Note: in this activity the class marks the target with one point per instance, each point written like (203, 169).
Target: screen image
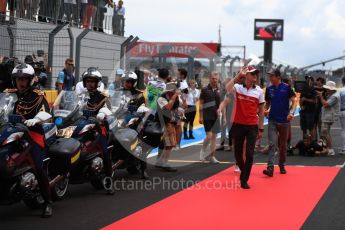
(268, 29)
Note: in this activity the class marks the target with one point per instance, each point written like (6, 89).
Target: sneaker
(237, 169)
(269, 171)
(214, 160)
(177, 148)
(331, 152)
(202, 155)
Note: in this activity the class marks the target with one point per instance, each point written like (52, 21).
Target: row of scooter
(74, 153)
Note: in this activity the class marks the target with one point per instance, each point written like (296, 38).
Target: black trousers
(240, 133)
(190, 116)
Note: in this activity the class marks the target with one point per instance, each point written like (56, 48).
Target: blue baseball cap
(119, 71)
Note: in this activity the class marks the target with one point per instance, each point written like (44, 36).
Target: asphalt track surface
(86, 208)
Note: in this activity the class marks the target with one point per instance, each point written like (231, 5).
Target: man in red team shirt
(247, 125)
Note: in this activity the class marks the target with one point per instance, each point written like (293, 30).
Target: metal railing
(97, 17)
(49, 45)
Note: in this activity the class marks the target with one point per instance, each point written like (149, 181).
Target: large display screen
(269, 29)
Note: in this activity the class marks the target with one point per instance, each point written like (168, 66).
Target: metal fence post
(77, 53)
(10, 34)
(128, 47)
(123, 51)
(71, 37)
(51, 51)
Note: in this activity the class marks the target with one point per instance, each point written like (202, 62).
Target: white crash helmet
(92, 72)
(22, 71)
(130, 76)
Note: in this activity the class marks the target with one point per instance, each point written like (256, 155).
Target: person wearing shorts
(167, 113)
(209, 117)
(330, 112)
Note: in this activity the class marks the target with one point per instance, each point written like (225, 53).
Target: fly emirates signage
(179, 50)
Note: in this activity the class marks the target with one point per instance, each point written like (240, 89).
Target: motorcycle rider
(33, 107)
(97, 103)
(136, 99)
(129, 83)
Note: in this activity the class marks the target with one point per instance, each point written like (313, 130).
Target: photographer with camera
(167, 112)
(330, 111)
(40, 78)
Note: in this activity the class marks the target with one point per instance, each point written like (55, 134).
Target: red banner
(178, 50)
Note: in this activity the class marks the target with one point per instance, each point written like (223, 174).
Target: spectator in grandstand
(192, 99)
(3, 5)
(118, 18)
(69, 12)
(90, 13)
(342, 115)
(81, 12)
(278, 98)
(248, 120)
(209, 104)
(58, 7)
(320, 82)
(23, 8)
(33, 9)
(308, 103)
(101, 10)
(66, 79)
(45, 11)
(329, 112)
(12, 9)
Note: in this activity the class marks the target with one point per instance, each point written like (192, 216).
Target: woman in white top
(192, 98)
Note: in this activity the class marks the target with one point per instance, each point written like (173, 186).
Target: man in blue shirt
(278, 98)
(66, 80)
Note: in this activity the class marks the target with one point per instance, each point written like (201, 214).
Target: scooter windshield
(68, 102)
(118, 102)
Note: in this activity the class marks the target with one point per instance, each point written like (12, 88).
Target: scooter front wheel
(60, 189)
